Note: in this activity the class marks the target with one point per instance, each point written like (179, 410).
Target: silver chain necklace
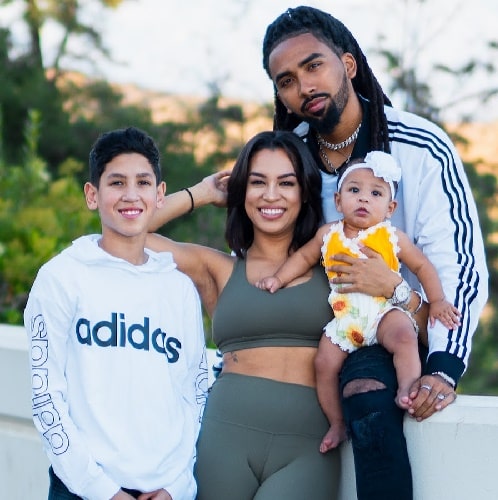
(331, 167)
(340, 145)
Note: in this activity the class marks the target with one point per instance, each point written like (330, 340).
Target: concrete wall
(454, 454)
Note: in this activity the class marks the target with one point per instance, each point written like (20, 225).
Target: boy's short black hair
(122, 141)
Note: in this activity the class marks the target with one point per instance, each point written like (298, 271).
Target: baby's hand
(445, 312)
(270, 283)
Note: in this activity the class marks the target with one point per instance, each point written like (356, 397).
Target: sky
(184, 46)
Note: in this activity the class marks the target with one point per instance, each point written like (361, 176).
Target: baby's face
(364, 200)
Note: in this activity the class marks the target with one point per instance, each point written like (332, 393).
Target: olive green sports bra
(247, 317)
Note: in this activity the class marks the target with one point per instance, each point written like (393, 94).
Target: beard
(329, 119)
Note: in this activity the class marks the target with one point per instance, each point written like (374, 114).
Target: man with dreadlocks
(326, 92)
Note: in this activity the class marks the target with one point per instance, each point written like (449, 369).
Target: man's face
(312, 81)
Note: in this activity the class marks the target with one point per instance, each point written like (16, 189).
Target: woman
(262, 426)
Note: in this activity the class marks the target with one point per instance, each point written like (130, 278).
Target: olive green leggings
(259, 440)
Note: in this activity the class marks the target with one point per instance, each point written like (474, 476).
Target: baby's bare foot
(334, 437)
(403, 399)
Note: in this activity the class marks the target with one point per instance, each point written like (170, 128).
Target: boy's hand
(156, 495)
(214, 188)
(121, 495)
(152, 495)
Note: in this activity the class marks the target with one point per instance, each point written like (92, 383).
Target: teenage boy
(117, 354)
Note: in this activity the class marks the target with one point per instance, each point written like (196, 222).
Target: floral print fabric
(356, 315)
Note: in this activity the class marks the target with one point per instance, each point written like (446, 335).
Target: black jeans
(59, 491)
(375, 426)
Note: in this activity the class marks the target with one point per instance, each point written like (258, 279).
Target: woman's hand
(371, 276)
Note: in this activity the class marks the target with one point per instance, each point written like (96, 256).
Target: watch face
(402, 292)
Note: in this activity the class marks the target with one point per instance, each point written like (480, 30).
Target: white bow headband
(383, 165)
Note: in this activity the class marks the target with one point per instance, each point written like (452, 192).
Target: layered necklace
(322, 143)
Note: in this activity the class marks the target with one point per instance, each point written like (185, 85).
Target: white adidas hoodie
(118, 366)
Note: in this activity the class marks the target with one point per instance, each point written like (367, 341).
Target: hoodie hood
(87, 251)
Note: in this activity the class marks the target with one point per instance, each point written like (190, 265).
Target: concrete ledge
(453, 454)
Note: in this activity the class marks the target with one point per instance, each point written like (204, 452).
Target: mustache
(309, 99)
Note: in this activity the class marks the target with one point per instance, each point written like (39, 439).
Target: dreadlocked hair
(338, 38)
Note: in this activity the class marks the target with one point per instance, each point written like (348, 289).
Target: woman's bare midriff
(294, 365)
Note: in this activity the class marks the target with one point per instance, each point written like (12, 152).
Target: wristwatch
(401, 295)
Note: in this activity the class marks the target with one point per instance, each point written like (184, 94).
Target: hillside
(482, 145)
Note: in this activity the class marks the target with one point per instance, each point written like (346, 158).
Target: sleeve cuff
(183, 487)
(446, 363)
(103, 489)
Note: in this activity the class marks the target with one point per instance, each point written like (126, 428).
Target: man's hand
(371, 276)
(429, 394)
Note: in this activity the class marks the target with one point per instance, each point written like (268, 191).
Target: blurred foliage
(39, 216)
(26, 83)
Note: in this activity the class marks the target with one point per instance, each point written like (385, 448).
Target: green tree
(95, 107)
(212, 118)
(67, 16)
(39, 216)
(29, 82)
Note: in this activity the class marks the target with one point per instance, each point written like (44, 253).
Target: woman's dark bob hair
(239, 231)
